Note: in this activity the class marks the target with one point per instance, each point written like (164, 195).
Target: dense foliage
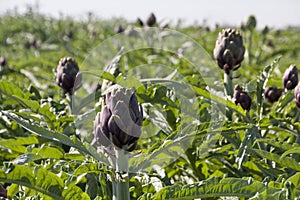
(197, 143)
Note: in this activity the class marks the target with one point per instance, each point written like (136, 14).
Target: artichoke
(67, 76)
(2, 61)
(119, 29)
(272, 94)
(3, 192)
(229, 50)
(297, 96)
(151, 20)
(120, 120)
(290, 77)
(251, 22)
(242, 98)
(265, 31)
(139, 22)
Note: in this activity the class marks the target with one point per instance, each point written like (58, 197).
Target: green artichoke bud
(297, 95)
(151, 20)
(120, 120)
(272, 94)
(242, 98)
(251, 22)
(67, 76)
(229, 50)
(290, 77)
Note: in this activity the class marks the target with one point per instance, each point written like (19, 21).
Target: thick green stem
(250, 47)
(297, 141)
(228, 84)
(121, 184)
(71, 103)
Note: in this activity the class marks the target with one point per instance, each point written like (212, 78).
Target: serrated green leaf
(38, 179)
(50, 152)
(249, 135)
(108, 76)
(55, 136)
(31, 104)
(283, 161)
(17, 144)
(295, 179)
(282, 145)
(11, 89)
(291, 151)
(213, 188)
(74, 192)
(283, 101)
(261, 85)
(237, 108)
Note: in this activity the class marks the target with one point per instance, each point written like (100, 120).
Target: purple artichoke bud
(272, 94)
(139, 22)
(151, 20)
(229, 50)
(69, 33)
(3, 192)
(120, 120)
(266, 30)
(297, 96)
(119, 29)
(290, 77)
(242, 98)
(67, 76)
(251, 22)
(2, 61)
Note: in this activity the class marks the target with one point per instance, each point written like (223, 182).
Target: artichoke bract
(272, 94)
(229, 50)
(297, 96)
(119, 122)
(151, 20)
(242, 98)
(67, 75)
(290, 77)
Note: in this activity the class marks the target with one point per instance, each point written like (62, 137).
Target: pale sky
(273, 13)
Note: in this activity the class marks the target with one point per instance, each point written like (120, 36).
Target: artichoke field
(90, 111)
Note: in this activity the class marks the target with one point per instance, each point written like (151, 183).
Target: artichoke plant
(272, 94)
(151, 20)
(290, 77)
(229, 50)
(242, 98)
(120, 120)
(67, 76)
